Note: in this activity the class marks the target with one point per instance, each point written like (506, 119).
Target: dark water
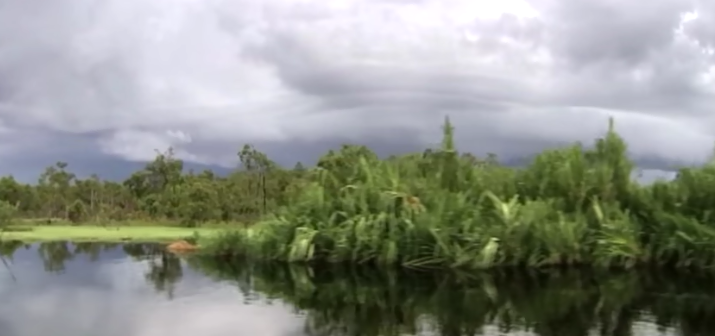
(107, 290)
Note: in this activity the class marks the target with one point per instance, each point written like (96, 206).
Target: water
(110, 289)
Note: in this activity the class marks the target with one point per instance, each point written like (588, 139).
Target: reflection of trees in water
(165, 273)
(142, 251)
(165, 269)
(93, 250)
(360, 301)
(54, 255)
(364, 302)
(9, 247)
(7, 250)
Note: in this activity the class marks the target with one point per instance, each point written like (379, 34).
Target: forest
(575, 205)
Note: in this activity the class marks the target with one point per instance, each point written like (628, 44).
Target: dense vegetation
(162, 191)
(438, 208)
(570, 206)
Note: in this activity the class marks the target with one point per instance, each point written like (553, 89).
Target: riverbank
(85, 233)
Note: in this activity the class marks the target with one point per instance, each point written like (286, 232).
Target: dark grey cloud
(114, 80)
(627, 34)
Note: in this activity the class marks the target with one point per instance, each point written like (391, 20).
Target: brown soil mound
(181, 246)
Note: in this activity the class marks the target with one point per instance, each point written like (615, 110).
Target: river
(94, 289)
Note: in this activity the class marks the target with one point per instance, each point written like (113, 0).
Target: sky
(102, 84)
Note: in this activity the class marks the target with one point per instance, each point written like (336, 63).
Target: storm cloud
(114, 80)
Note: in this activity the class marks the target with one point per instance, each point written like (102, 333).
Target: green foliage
(161, 191)
(439, 208)
(76, 212)
(570, 206)
(7, 214)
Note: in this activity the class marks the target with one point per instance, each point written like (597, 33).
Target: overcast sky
(102, 82)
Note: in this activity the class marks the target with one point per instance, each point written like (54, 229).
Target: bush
(7, 214)
(77, 212)
(569, 206)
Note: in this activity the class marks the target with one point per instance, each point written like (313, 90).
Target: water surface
(137, 289)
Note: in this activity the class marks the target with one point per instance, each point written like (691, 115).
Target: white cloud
(143, 145)
(207, 76)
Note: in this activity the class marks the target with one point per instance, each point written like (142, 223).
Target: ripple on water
(139, 290)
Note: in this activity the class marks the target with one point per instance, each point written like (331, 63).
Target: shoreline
(94, 233)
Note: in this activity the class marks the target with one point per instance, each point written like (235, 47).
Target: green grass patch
(18, 229)
(103, 234)
(32, 222)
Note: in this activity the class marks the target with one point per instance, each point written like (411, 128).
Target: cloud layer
(120, 78)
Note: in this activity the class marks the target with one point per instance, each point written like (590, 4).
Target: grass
(111, 224)
(86, 233)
